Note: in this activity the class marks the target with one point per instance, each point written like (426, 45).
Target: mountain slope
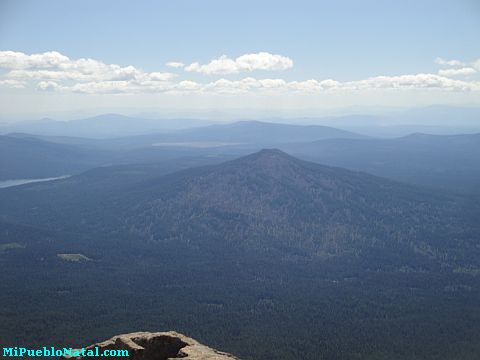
(33, 158)
(272, 201)
(269, 202)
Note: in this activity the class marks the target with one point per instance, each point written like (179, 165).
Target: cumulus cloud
(313, 85)
(457, 72)
(188, 85)
(48, 86)
(457, 67)
(18, 60)
(403, 82)
(221, 66)
(175, 64)
(248, 62)
(411, 82)
(53, 66)
(441, 61)
(103, 87)
(16, 84)
(248, 84)
(53, 71)
(264, 61)
(476, 64)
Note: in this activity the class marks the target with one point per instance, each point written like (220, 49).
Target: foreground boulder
(158, 346)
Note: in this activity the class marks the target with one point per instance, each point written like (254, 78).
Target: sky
(66, 58)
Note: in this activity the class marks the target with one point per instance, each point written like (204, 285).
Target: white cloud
(55, 66)
(221, 66)
(412, 82)
(460, 68)
(175, 64)
(102, 87)
(158, 76)
(313, 85)
(402, 82)
(248, 62)
(53, 71)
(18, 60)
(224, 86)
(48, 86)
(188, 85)
(16, 84)
(457, 72)
(264, 61)
(476, 64)
(441, 61)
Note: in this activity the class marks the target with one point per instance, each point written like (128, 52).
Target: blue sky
(348, 42)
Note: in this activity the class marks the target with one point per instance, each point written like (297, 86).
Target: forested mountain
(240, 255)
(273, 202)
(267, 201)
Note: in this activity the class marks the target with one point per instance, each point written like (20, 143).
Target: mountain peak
(271, 154)
(268, 159)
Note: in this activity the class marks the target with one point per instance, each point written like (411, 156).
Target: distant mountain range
(441, 161)
(30, 156)
(99, 127)
(242, 133)
(437, 119)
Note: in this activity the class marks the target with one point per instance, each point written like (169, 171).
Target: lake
(17, 182)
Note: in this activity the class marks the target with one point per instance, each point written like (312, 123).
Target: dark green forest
(254, 307)
(266, 257)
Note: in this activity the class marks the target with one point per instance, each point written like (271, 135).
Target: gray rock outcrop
(158, 346)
